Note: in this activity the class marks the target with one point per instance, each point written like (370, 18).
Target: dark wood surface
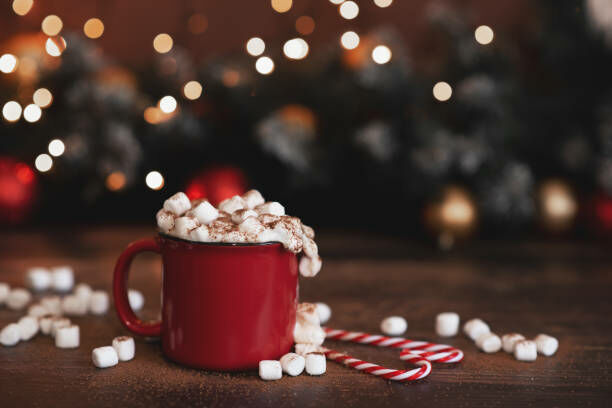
(559, 288)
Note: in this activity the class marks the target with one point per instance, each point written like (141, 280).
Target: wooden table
(560, 289)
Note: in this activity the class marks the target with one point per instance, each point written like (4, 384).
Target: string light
(192, 90)
(484, 35)
(52, 25)
(255, 46)
(442, 91)
(55, 46)
(154, 180)
(22, 7)
(197, 23)
(264, 65)
(296, 48)
(381, 54)
(56, 147)
(305, 25)
(11, 111)
(32, 113)
(281, 6)
(42, 97)
(43, 162)
(115, 181)
(383, 3)
(162, 43)
(349, 10)
(93, 28)
(8, 63)
(167, 104)
(350, 40)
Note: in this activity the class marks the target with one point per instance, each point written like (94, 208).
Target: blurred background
(441, 119)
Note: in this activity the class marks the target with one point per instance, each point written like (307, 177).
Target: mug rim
(231, 244)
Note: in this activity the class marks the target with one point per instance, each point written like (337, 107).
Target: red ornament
(216, 184)
(17, 190)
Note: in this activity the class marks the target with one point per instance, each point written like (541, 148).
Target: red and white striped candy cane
(387, 373)
(440, 353)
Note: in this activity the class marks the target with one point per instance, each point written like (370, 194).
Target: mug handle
(120, 288)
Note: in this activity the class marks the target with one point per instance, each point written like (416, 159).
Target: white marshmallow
(18, 298)
(270, 370)
(251, 226)
(239, 216)
(58, 323)
(489, 342)
(10, 335)
(178, 204)
(104, 357)
(125, 347)
(315, 363)
(292, 364)
(37, 311)
(28, 327)
(306, 313)
(393, 325)
(308, 333)
(38, 279)
(268, 235)
(4, 292)
(63, 278)
(72, 305)
(310, 247)
(525, 350)
(324, 312)
(53, 304)
(45, 323)
(308, 231)
(83, 291)
(271, 207)
(303, 348)
(253, 198)
(509, 340)
(232, 204)
(165, 220)
(136, 299)
(99, 302)
(546, 345)
(475, 328)
(184, 225)
(310, 267)
(68, 337)
(200, 234)
(205, 213)
(447, 324)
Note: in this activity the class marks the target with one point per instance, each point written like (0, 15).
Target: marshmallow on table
(509, 340)
(4, 292)
(99, 302)
(18, 298)
(489, 342)
(393, 325)
(546, 345)
(292, 364)
(37, 310)
(309, 267)
(253, 198)
(83, 291)
(324, 312)
(315, 363)
(270, 370)
(184, 225)
(309, 334)
(232, 204)
(304, 348)
(38, 278)
(10, 335)
(62, 278)
(525, 350)
(45, 323)
(68, 337)
(475, 328)
(28, 327)
(239, 216)
(306, 313)
(205, 212)
(447, 324)
(125, 347)
(53, 304)
(136, 299)
(72, 305)
(104, 357)
(58, 323)
(178, 204)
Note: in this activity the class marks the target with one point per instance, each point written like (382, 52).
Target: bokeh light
(305, 25)
(42, 97)
(336, 1)
(93, 28)
(255, 46)
(56, 147)
(484, 35)
(192, 90)
(8, 63)
(55, 46)
(296, 48)
(381, 54)
(197, 23)
(11, 111)
(32, 113)
(115, 181)
(230, 77)
(52, 25)
(167, 104)
(154, 180)
(349, 10)
(558, 206)
(383, 3)
(281, 6)
(22, 7)
(162, 43)
(264, 65)
(442, 91)
(43, 162)
(350, 40)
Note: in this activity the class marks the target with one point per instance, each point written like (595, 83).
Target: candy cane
(387, 373)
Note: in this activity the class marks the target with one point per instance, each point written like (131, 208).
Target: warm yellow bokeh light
(255, 46)
(55, 46)
(22, 7)
(442, 91)
(192, 90)
(52, 25)
(336, 1)
(457, 211)
(42, 97)
(11, 111)
(381, 54)
(349, 10)
(32, 113)
(281, 6)
(43, 162)
(93, 28)
(56, 147)
(154, 180)
(167, 104)
(484, 35)
(350, 40)
(163, 43)
(8, 63)
(296, 48)
(230, 77)
(115, 181)
(264, 65)
(305, 25)
(383, 3)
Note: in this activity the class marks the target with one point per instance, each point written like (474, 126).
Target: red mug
(224, 306)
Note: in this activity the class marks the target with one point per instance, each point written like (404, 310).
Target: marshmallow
(68, 337)
(308, 231)
(125, 347)
(63, 278)
(253, 198)
(165, 220)
(10, 335)
(489, 342)
(315, 363)
(239, 216)
(4, 292)
(309, 267)
(310, 247)
(232, 204)
(303, 349)
(306, 313)
(270, 370)
(200, 234)
(205, 213)
(38, 279)
(37, 311)
(393, 325)
(99, 302)
(324, 312)
(28, 327)
(72, 305)
(83, 291)
(45, 323)
(525, 350)
(546, 345)
(18, 298)
(292, 364)
(447, 324)
(104, 357)
(475, 328)
(251, 226)
(53, 304)
(58, 323)
(178, 204)
(268, 218)
(184, 225)
(271, 207)
(136, 299)
(509, 340)
(308, 333)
